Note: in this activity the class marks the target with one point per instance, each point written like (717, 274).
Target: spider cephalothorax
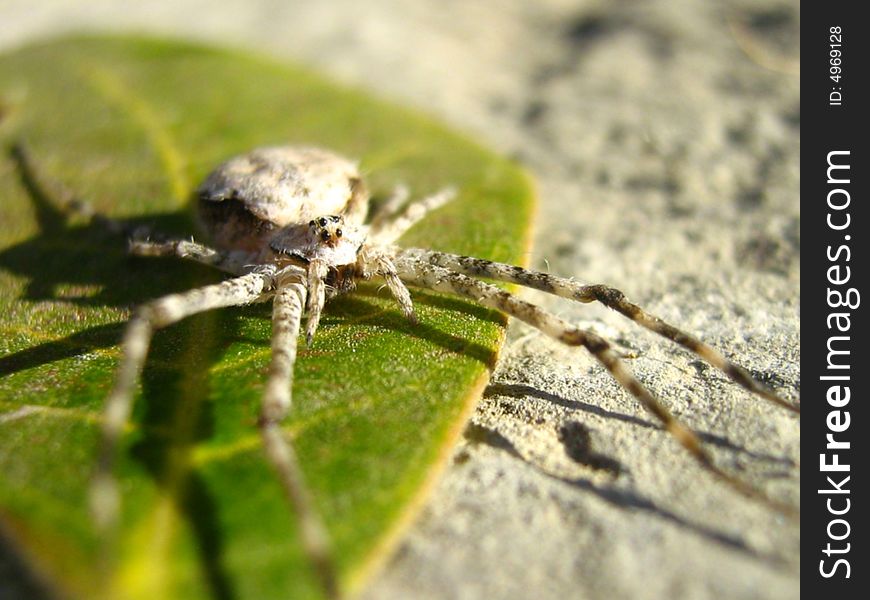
(288, 225)
(328, 239)
(327, 247)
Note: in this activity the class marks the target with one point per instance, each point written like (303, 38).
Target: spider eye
(324, 235)
(322, 222)
(338, 233)
(311, 223)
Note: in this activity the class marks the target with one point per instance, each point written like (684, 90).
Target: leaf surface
(133, 125)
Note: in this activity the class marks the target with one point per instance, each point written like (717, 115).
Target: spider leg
(286, 316)
(253, 287)
(427, 275)
(387, 270)
(390, 207)
(374, 261)
(610, 297)
(389, 230)
(231, 262)
(317, 271)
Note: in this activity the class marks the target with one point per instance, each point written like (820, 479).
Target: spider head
(327, 238)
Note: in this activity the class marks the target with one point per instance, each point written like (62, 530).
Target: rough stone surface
(665, 139)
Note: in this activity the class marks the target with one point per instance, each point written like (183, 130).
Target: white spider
(288, 224)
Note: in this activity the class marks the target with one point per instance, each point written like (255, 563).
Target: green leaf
(133, 125)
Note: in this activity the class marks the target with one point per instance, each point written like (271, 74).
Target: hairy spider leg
(388, 230)
(317, 271)
(424, 274)
(229, 262)
(153, 315)
(287, 310)
(610, 297)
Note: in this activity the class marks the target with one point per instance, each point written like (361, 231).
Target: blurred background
(664, 137)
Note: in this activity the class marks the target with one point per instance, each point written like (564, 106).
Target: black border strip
(833, 94)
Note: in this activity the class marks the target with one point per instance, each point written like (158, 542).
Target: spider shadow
(622, 499)
(86, 266)
(358, 308)
(521, 391)
(176, 414)
(100, 266)
(83, 269)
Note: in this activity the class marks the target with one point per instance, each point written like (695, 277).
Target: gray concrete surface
(665, 139)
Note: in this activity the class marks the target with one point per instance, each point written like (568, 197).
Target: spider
(288, 225)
